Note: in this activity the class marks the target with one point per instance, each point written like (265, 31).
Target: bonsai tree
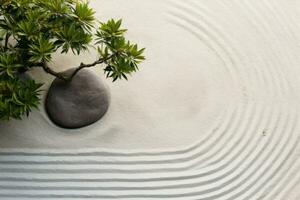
(32, 30)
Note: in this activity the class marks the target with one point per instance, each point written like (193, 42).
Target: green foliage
(8, 65)
(17, 97)
(71, 38)
(41, 51)
(85, 15)
(125, 56)
(32, 30)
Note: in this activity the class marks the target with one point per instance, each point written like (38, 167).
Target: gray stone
(78, 103)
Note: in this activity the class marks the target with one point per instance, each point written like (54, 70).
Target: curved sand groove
(106, 159)
(237, 161)
(29, 165)
(254, 23)
(266, 169)
(127, 153)
(221, 147)
(284, 183)
(281, 89)
(290, 184)
(193, 9)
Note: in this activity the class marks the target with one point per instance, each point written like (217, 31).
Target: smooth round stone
(78, 103)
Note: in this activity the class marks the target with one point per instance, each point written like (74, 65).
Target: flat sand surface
(213, 113)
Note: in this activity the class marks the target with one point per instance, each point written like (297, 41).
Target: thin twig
(68, 78)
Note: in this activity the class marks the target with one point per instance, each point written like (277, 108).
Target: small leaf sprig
(124, 57)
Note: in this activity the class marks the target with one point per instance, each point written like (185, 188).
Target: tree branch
(52, 72)
(6, 40)
(82, 66)
(69, 78)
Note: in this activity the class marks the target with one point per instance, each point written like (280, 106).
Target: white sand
(213, 113)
